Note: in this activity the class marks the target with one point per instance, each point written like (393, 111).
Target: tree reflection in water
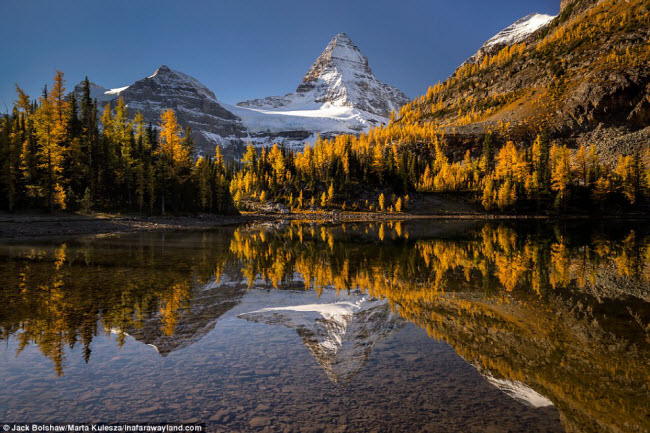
(563, 310)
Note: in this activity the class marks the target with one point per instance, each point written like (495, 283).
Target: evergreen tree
(50, 132)
(488, 153)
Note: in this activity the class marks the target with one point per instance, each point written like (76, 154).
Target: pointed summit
(162, 70)
(173, 80)
(340, 52)
(340, 77)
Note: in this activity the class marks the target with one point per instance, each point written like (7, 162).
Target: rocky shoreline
(22, 226)
(36, 226)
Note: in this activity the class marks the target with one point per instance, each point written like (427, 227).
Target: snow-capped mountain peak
(340, 77)
(520, 29)
(341, 47)
(342, 54)
(515, 33)
(338, 94)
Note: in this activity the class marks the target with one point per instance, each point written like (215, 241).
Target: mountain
(513, 34)
(339, 331)
(584, 77)
(195, 106)
(340, 76)
(338, 94)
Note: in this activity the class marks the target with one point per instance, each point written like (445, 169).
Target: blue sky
(242, 49)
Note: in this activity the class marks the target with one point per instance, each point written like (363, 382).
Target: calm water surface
(440, 327)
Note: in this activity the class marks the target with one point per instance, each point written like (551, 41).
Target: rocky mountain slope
(339, 94)
(585, 75)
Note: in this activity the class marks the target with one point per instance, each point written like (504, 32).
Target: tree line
(542, 176)
(58, 153)
(379, 171)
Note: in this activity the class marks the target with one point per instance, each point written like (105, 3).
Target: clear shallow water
(457, 326)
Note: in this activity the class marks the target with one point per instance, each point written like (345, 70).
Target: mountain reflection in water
(340, 331)
(549, 314)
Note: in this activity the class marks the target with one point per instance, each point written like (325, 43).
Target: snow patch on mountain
(520, 29)
(322, 119)
(513, 34)
(101, 93)
(115, 91)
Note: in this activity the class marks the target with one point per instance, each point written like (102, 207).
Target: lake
(440, 326)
